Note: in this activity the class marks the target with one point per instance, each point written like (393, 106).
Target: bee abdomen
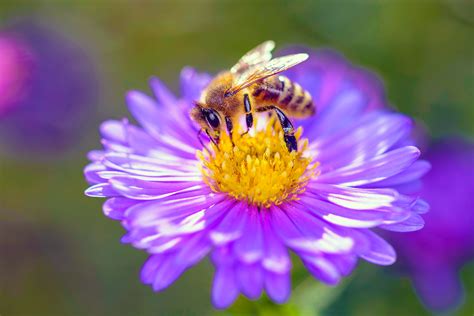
(286, 94)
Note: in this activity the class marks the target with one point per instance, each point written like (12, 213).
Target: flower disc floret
(258, 168)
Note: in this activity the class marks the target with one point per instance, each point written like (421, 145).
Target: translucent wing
(260, 54)
(265, 70)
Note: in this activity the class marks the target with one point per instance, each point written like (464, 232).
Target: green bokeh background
(60, 256)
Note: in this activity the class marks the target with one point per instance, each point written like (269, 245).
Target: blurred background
(60, 256)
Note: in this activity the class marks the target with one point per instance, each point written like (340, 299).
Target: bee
(252, 86)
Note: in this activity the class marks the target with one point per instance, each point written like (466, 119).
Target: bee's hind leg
(288, 130)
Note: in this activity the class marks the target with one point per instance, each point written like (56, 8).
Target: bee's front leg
(230, 128)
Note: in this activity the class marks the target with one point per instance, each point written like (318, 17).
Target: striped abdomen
(285, 94)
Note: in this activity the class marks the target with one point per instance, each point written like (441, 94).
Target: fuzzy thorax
(258, 168)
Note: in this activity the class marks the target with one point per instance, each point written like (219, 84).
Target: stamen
(258, 168)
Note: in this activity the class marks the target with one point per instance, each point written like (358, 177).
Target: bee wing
(260, 54)
(265, 70)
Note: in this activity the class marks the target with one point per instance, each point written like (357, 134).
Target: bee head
(209, 120)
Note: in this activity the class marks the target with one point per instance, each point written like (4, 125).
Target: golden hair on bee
(252, 86)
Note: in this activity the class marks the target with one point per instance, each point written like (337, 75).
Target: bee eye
(212, 118)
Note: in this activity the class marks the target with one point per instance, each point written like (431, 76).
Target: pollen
(258, 168)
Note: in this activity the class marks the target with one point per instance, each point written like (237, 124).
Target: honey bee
(251, 85)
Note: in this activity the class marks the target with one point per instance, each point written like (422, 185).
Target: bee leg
(288, 130)
(215, 141)
(248, 113)
(200, 139)
(230, 127)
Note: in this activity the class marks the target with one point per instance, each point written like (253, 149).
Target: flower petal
(373, 170)
(193, 83)
(440, 288)
(379, 252)
(148, 272)
(250, 279)
(115, 207)
(353, 218)
(146, 112)
(356, 144)
(224, 287)
(231, 227)
(413, 223)
(276, 257)
(150, 214)
(322, 269)
(163, 95)
(277, 286)
(167, 271)
(101, 190)
(414, 172)
(138, 189)
(249, 247)
(354, 198)
(305, 233)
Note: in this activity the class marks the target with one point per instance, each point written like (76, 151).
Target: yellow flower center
(258, 168)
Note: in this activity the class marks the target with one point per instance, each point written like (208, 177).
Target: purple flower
(47, 88)
(15, 65)
(249, 204)
(434, 255)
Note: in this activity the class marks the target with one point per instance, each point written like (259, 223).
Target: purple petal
(167, 271)
(276, 257)
(363, 141)
(322, 269)
(95, 155)
(193, 83)
(115, 208)
(352, 218)
(249, 247)
(149, 166)
(91, 173)
(154, 243)
(113, 130)
(152, 213)
(148, 272)
(440, 288)
(414, 172)
(146, 112)
(344, 263)
(277, 286)
(354, 198)
(373, 170)
(420, 206)
(250, 279)
(305, 233)
(148, 190)
(345, 106)
(194, 249)
(101, 190)
(164, 96)
(224, 288)
(223, 256)
(413, 223)
(379, 251)
(231, 227)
